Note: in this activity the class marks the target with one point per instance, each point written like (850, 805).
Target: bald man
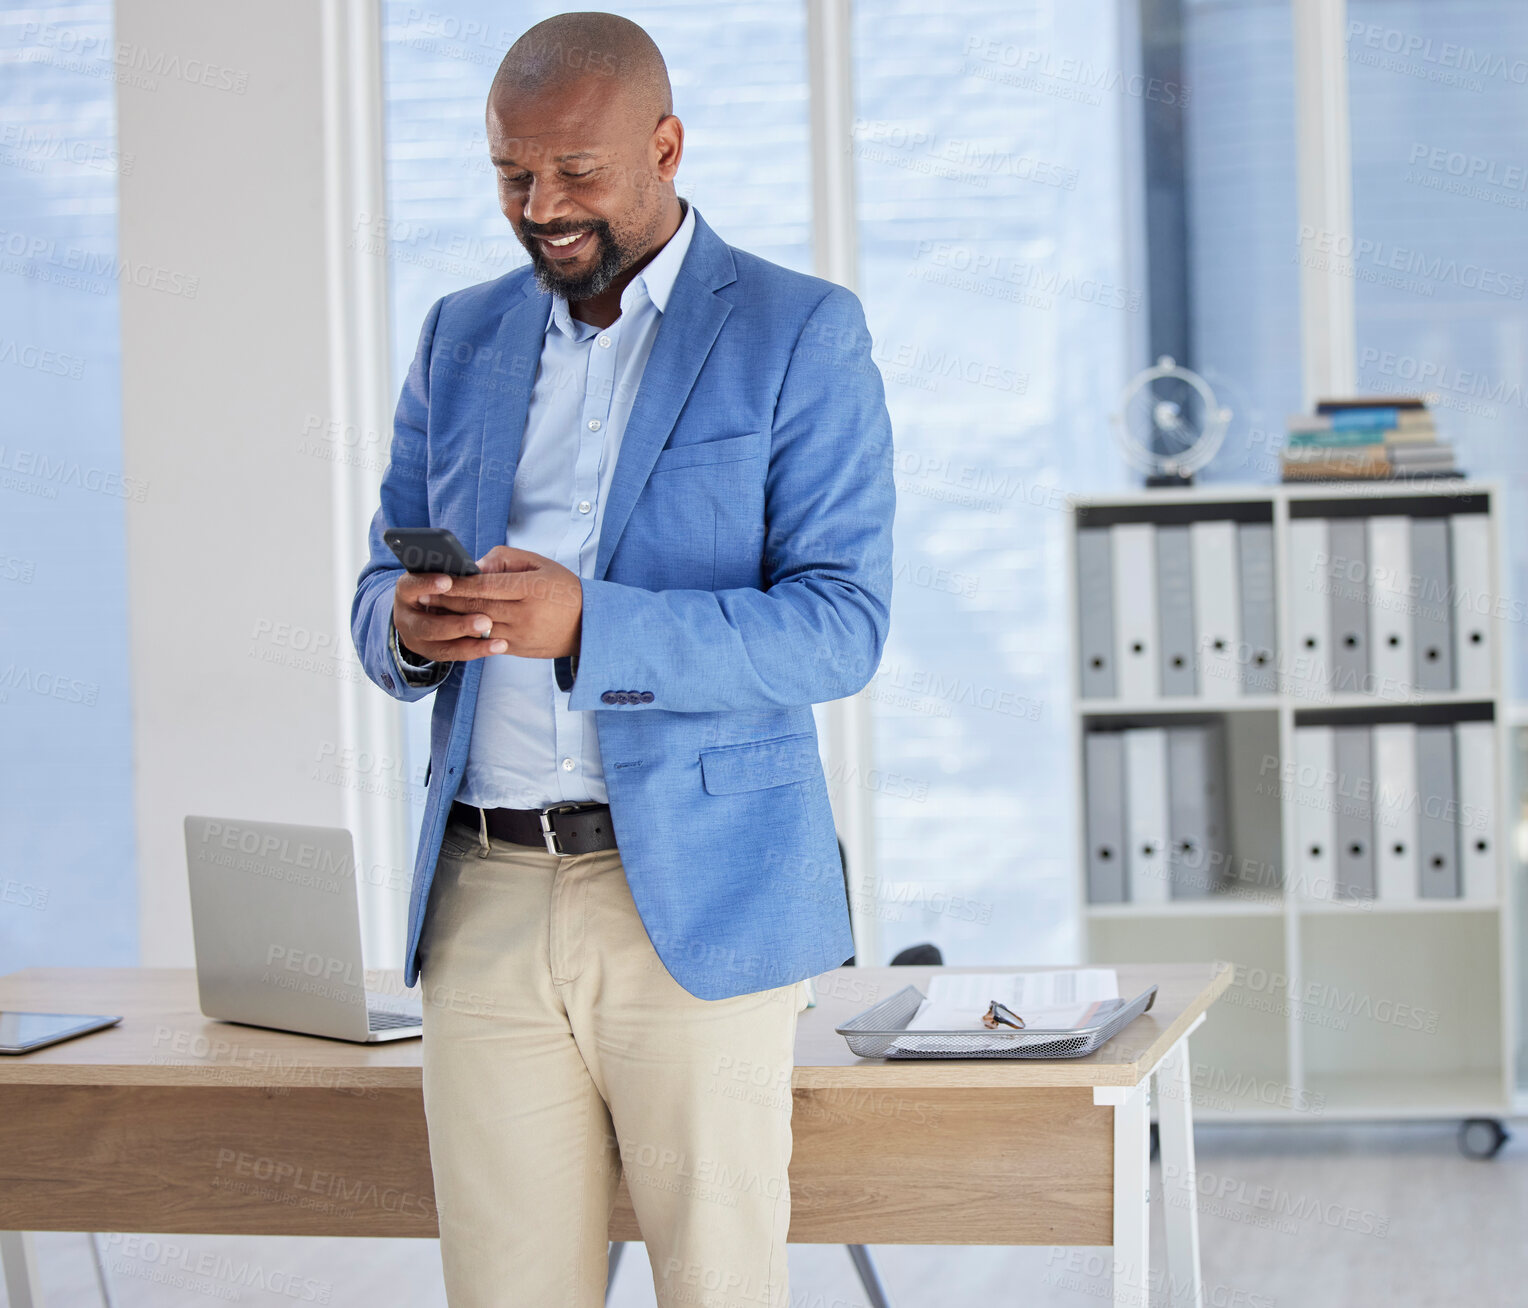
(672, 460)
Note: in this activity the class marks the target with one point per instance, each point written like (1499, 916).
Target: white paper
(1047, 1001)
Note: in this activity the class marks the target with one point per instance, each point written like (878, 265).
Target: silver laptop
(277, 923)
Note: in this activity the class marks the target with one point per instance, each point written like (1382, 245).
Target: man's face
(571, 162)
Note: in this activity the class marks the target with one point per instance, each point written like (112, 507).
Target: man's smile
(564, 247)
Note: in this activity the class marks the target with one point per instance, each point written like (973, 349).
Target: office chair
(924, 955)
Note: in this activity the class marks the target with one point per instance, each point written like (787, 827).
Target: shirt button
(594, 424)
(604, 342)
(567, 765)
(584, 506)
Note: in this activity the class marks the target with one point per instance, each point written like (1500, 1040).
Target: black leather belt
(558, 828)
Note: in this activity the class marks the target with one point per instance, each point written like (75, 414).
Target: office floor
(1331, 1217)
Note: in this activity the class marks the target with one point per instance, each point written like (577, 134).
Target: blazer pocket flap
(759, 764)
(727, 450)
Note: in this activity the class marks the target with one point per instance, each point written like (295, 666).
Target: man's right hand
(437, 634)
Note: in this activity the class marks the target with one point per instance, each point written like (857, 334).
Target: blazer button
(627, 697)
(387, 681)
(609, 697)
(647, 697)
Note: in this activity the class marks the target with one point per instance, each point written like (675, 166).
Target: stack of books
(1366, 440)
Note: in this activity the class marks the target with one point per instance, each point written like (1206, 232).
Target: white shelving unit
(1345, 1056)
(1517, 825)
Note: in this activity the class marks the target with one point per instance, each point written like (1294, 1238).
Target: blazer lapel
(516, 357)
(686, 333)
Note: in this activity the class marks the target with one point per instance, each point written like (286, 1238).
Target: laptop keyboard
(383, 1019)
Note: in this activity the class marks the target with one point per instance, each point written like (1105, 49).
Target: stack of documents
(1047, 1001)
(1062, 1014)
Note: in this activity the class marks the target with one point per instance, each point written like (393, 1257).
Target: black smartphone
(430, 549)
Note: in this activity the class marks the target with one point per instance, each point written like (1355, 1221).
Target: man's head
(584, 142)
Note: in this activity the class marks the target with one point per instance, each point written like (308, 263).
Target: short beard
(612, 260)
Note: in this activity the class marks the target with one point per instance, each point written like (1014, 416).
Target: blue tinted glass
(993, 221)
(68, 892)
(1440, 212)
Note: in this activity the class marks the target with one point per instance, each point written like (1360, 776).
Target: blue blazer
(743, 574)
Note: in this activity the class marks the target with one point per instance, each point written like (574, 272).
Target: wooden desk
(170, 1123)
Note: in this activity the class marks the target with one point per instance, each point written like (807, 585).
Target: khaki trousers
(558, 1052)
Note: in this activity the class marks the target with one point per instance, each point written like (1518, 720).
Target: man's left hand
(535, 604)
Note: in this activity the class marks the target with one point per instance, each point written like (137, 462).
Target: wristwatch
(415, 671)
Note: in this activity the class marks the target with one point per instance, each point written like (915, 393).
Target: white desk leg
(1175, 1124)
(1132, 1197)
(19, 1255)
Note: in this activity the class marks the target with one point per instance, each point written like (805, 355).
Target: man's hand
(431, 632)
(535, 605)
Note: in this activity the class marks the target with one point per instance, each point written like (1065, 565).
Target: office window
(994, 228)
(68, 890)
(1440, 209)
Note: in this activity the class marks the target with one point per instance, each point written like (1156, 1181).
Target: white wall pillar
(256, 410)
(848, 742)
(1324, 171)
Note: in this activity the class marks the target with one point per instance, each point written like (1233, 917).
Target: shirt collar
(655, 281)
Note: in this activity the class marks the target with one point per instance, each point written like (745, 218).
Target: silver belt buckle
(547, 834)
(550, 836)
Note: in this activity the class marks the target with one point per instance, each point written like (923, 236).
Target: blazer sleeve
(404, 504)
(815, 630)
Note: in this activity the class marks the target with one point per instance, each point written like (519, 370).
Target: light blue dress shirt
(528, 748)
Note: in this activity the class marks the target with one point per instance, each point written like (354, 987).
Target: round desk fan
(1169, 424)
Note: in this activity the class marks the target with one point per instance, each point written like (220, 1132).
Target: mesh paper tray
(881, 1032)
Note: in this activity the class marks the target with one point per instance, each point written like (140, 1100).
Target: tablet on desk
(20, 1033)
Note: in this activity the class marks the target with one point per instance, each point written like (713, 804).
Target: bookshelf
(1344, 1008)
